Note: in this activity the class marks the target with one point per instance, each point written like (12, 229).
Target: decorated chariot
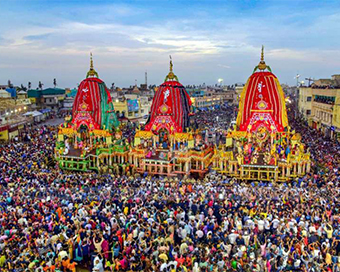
(262, 146)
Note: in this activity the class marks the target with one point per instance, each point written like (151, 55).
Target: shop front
(14, 129)
(4, 133)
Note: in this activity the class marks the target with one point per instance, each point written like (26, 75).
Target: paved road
(53, 122)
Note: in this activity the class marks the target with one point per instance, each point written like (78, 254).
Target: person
(98, 264)
(57, 220)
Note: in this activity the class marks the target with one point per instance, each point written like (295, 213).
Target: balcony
(329, 100)
(322, 106)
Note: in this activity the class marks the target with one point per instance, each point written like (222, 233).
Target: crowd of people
(214, 123)
(60, 221)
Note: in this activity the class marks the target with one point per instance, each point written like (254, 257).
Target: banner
(133, 105)
(229, 142)
(137, 141)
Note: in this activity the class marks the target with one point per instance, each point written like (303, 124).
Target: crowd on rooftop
(58, 221)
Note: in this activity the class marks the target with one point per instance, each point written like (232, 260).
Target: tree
(22, 87)
(40, 85)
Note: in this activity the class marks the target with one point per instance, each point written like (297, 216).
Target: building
(325, 111)
(238, 90)
(68, 101)
(319, 104)
(50, 98)
(133, 107)
(4, 94)
(142, 90)
(334, 81)
(12, 117)
(305, 102)
(209, 97)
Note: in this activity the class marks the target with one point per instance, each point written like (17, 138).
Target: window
(130, 114)
(308, 112)
(142, 111)
(309, 98)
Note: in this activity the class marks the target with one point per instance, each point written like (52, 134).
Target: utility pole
(309, 80)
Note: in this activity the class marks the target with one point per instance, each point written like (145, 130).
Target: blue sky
(42, 40)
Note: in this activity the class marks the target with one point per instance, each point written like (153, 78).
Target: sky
(208, 40)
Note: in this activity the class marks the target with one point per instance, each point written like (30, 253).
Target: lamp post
(297, 80)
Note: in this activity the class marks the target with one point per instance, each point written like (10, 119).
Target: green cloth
(109, 118)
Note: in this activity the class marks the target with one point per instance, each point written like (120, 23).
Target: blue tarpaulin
(45, 110)
(12, 91)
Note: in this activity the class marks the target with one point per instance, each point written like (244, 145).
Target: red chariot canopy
(262, 102)
(93, 106)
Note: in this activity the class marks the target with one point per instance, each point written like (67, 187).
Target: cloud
(224, 66)
(127, 39)
(36, 37)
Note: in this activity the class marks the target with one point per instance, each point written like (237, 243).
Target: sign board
(133, 105)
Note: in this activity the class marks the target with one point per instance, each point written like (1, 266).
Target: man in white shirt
(260, 224)
(164, 266)
(275, 223)
(232, 237)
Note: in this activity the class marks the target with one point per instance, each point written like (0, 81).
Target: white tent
(33, 113)
(29, 113)
(36, 113)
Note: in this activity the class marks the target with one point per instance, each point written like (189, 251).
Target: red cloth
(170, 108)
(263, 104)
(87, 108)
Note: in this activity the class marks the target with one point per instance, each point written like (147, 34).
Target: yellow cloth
(264, 215)
(229, 142)
(126, 210)
(328, 258)
(329, 231)
(163, 257)
(2, 260)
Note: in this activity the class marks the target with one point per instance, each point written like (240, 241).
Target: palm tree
(22, 87)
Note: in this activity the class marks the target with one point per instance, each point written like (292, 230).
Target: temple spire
(91, 60)
(171, 65)
(91, 72)
(262, 64)
(171, 75)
